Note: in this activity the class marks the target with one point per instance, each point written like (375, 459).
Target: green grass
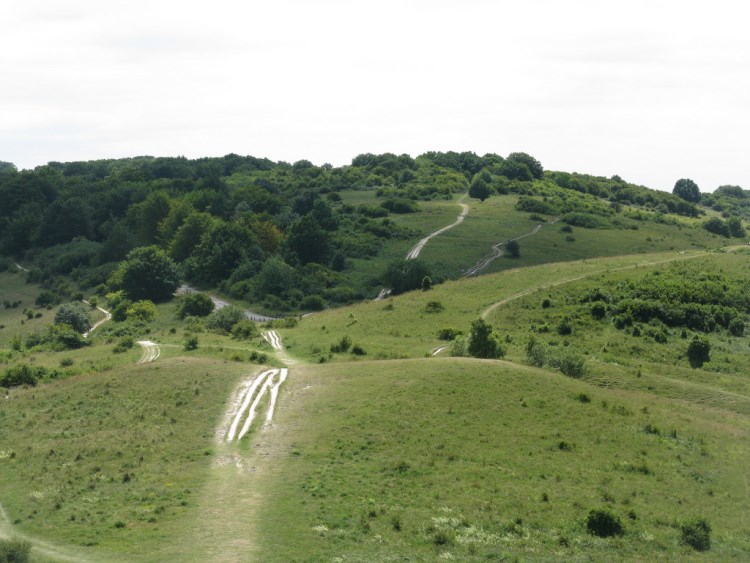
(401, 327)
(486, 459)
(496, 219)
(112, 462)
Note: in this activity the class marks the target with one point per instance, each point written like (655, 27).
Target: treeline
(268, 232)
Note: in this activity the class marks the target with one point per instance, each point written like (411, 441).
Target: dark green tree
(480, 189)
(687, 190)
(698, 351)
(194, 304)
(516, 170)
(482, 341)
(74, 314)
(534, 166)
(222, 248)
(308, 240)
(513, 248)
(405, 275)
(147, 273)
(736, 230)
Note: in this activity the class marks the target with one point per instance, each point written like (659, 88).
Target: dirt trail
(497, 252)
(107, 317)
(220, 304)
(414, 252)
(21, 268)
(151, 351)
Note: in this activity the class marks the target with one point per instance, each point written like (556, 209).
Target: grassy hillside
(422, 459)
(384, 447)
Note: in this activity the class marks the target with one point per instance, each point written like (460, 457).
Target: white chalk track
(268, 381)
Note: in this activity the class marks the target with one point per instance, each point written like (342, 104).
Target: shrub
(598, 310)
(604, 524)
(244, 330)
(513, 248)
(696, 533)
(434, 307)
(21, 375)
(564, 327)
(570, 362)
(357, 350)
(482, 341)
(75, 315)
(195, 305)
(313, 303)
(736, 327)
(14, 550)
(536, 353)
(46, 298)
(124, 345)
(448, 333)
(698, 351)
(191, 343)
(342, 345)
(222, 320)
(143, 310)
(458, 347)
(258, 357)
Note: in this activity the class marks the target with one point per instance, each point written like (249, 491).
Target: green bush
(342, 345)
(195, 305)
(222, 320)
(604, 524)
(448, 333)
(434, 307)
(244, 330)
(75, 315)
(143, 310)
(696, 533)
(698, 351)
(14, 551)
(191, 343)
(482, 341)
(21, 375)
(313, 303)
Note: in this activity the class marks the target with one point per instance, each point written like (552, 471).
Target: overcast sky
(651, 90)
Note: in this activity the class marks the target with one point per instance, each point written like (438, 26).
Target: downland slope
(382, 458)
(388, 453)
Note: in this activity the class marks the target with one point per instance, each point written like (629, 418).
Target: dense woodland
(279, 235)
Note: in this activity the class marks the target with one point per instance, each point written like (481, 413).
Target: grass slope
(112, 462)
(477, 460)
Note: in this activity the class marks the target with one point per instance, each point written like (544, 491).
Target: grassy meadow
(391, 453)
(486, 460)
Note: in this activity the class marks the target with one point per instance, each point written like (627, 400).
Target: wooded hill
(285, 237)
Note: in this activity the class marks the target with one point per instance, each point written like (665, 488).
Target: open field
(418, 459)
(390, 454)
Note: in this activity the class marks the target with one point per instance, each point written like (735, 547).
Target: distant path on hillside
(497, 251)
(151, 351)
(548, 285)
(220, 304)
(414, 252)
(21, 268)
(107, 317)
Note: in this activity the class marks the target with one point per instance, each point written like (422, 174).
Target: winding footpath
(414, 252)
(220, 304)
(497, 251)
(107, 317)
